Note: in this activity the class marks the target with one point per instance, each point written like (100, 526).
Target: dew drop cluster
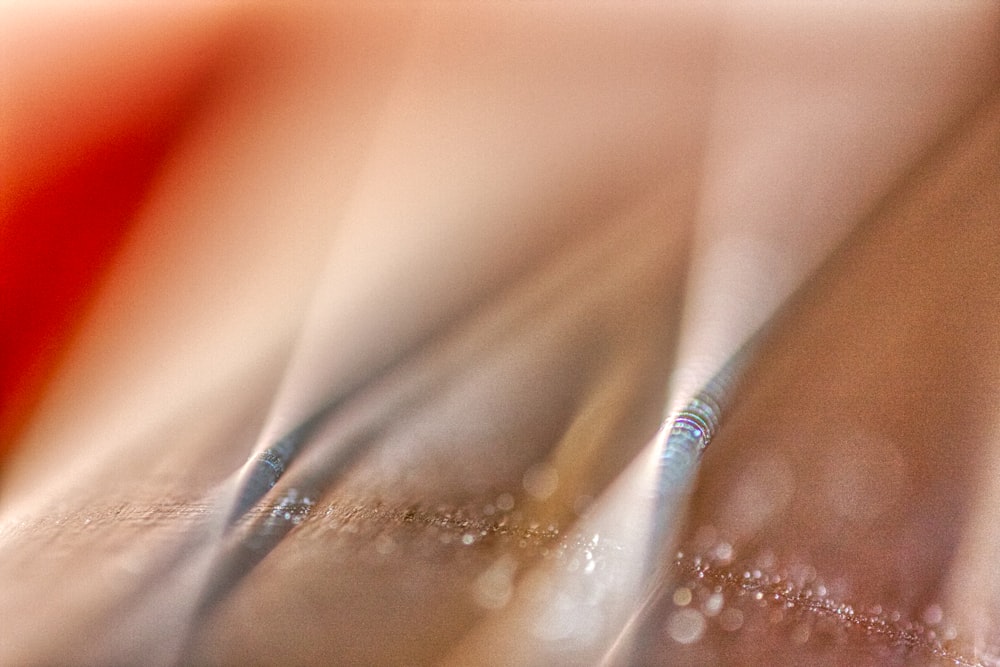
(714, 592)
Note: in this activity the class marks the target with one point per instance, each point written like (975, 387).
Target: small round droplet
(686, 626)
(723, 553)
(800, 633)
(540, 481)
(933, 614)
(682, 596)
(731, 620)
(494, 587)
(713, 605)
(505, 502)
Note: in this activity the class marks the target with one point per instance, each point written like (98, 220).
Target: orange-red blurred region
(59, 231)
(54, 243)
(91, 101)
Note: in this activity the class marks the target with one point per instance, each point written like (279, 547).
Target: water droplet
(686, 626)
(723, 553)
(505, 502)
(682, 596)
(800, 633)
(731, 620)
(933, 614)
(494, 587)
(763, 490)
(540, 481)
(713, 605)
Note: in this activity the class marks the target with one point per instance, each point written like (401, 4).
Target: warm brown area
(866, 429)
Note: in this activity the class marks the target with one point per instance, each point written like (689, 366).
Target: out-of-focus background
(504, 239)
